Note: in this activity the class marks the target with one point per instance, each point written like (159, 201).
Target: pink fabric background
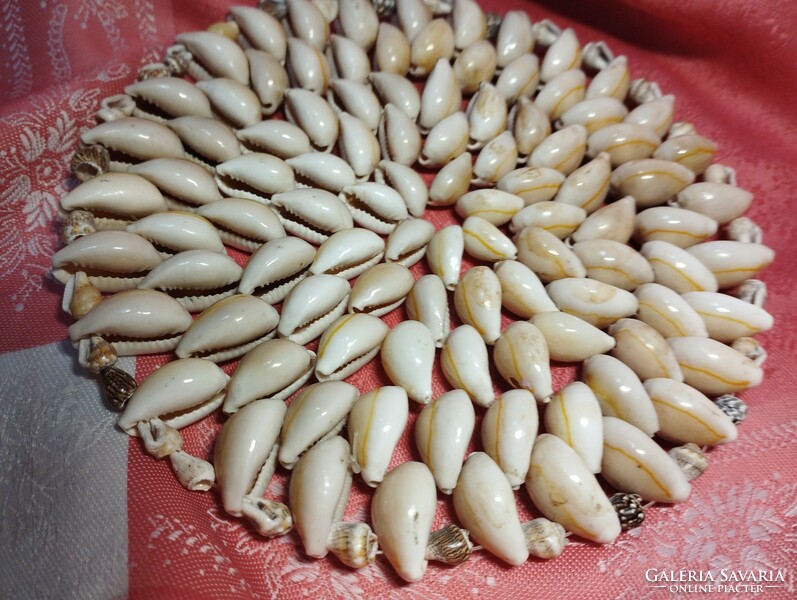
(731, 67)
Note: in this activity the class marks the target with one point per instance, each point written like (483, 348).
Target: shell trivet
(257, 191)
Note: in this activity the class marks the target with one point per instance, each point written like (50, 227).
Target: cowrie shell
(587, 186)
(651, 181)
(508, 430)
(557, 218)
(519, 78)
(276, 267)
(678, 226)
(656, 114)
(563, 55)
(529, 125)
(623, 142)
(547, 255)
(614, 263)
(392, 50)
(466, 366)
(574, 416)
(644, 350)
(408, 358)
(677, 269)
(311, 306)
(484, 241)
(515, 37)
(492, 205)
(380, 289)
(477, 300)
(561, 93)
(347, 60)
(522, 292)
(714, 368)
(728, 318)
(444, 254)
(597, 303)
(668, 312)
(349, 343)
(612, 81)
(732, 262)
(521, 357)
(348, 253)
(533, 184)
(722, 202)
(570, 338)
(406, 244)
(613, 221)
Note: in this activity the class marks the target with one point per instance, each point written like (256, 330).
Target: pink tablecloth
(731, 67)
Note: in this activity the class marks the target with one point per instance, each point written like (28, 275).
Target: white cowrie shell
(381, 289)
(444, 254)
(494, 206)
(677, 226)
(349, 343)
(515, 37)
(392, 51)
(307, 67)
(530, 126)
(644, 350)
(357, 99)
(316, 414)
(184, 184)
(427, 303)
(402, 512)
(312, 214)
(469, 22)
(477, 300)
(522, 292)
(376, 423)
(347, 60)
(533, 184)
(358, 145)
(441, 96)
(280, 138)
(588, 185)
(274, 369)
(614, 263)
(722, 202)
(656, 114)
(557, 218)
(598, 303)
(322, 170)
(314, 115)
(497, 158)
(613, 221)
(235, 102)
(465, 364)
(398, 91)
(475, 65)
(113, 194)
(570, 338)
(563, 55)
(359, 22)
(434, 42)
(399, 138)
(594, 114)
(620, 392)
(623, 142)
(547, 255)
(207, 142)
(451, 181)
(612, 81)
(348, 253)
(677, 269)
(162, 98)
(521, 357)
(687, 416)
(176, 231)
(447, 140)
(692, 151)
(508, 430)
(561, 94)
(668, 312)
(484, 241)
(308, 23)
(714, 368)
(634, 463)
(442, 433)
(311, 306)
(374, 206)
(255, 176)
(519, 78)
(214, 55)
(651, 181)
(413, 16)
(732, 262)
(406, 244)
(243, 224)
(574, 416)
(485, 504)
(728, 318)
(275, 268)
(487, 116)
(260, 30)
(408, 358)
(136, 140)
(407, 182)
(562, 150)
(565, 491)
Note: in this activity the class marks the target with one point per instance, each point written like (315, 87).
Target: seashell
(406, 244)
(691, 459)
(485, 505)
(311, 214)
(733, 407)
(380, 289)
(442, 433)
(413, 16)
(651, 181)
(311, 306)
(668, 312)
(508, 430)
(742, 229)
(565, 491)
(397, 90)
(374, 206)
(207, 142)
(532, 184)
(623, 142)
(269, 80)
(728, 318)
(78, 223)
(614, 263)
(612, 81)
(174, 231)
(450, 545)
(447, 140)
(183, 184)
(714, 368)
(117, 385)
(494, 206)
(692, 151)
(314, 115)
(751, 348)
(375, 425)
(316, 414)
(279, 138)
(644, 350)
(732, 262)
(519, 78)
(678, 226)
(349, 343)
(753, 291)
(90, 161)
(497, 158)
(358, 145)
(634, 463)
(444, 254)
(484, 241)
(487, 116)
(408, 357)
(656, 114)
(348, 253)
(465, 364)
(475, 65)
(594, 114)
(432, 43)
(359, 22)
(427, 303)
(557, 218)
(307, 67)
(547, 255)
(569, 337)
(441, 96)
(407, 182)
(307, 23)
(677, 269)
(116, 107)
(132, 140)
(184, 391)
(214, 55)
(321, 170)
(620, 392)
(477, 300)
(722, 202)
(521, 357)
(392, 50)
(544, 538)
(402, 511)
(515, 37)
(260, 30)
(562, 150)
(452, 181)
(229, 329)
(597, 303)
(642, 90)
(113, 260)
(243, 224)
(529, 125)
(521, 290)
(254, 176)
(80, 296)
(613, 221)
(275, 268)
(357, 99)
(588, 185)
(561, 93)
(197, 278)
(469, 23)
(272, 370)
(563, 55)
(399, 138)
(574, 416)
(347, 60)
(165, 98)
(686, 415)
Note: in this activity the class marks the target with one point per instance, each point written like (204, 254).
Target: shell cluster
(207, 228)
